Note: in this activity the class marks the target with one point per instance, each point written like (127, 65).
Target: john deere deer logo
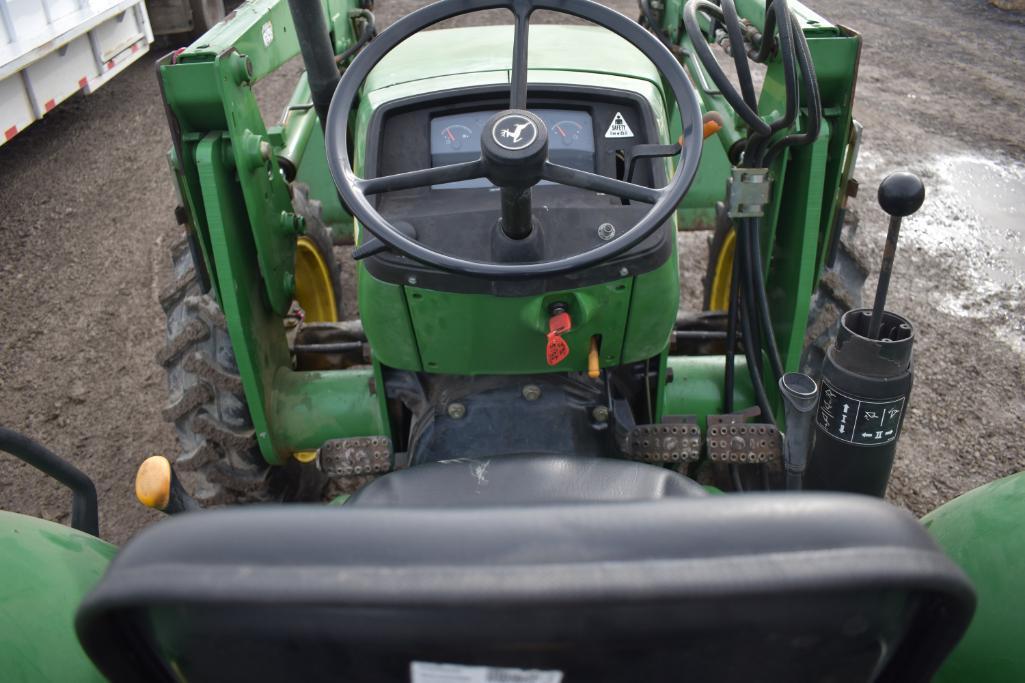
(514, 132)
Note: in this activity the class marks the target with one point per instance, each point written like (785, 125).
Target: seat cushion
(525, 480)
(768, 587)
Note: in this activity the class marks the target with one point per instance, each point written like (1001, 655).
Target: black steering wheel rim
(354, 190)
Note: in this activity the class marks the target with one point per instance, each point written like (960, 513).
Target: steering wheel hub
(514, 148)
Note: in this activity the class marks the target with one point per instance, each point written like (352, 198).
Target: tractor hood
(457, 51)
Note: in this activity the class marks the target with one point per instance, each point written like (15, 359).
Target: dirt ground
(86, 216)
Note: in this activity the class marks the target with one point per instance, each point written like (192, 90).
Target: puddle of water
(976, 206)
(973, 218)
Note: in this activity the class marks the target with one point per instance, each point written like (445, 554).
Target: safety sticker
(857, 421)
(268, 34)
(619, 128)
(429, 672)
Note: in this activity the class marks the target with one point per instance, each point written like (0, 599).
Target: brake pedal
(732, 440)
(673, 442)
(354, 461)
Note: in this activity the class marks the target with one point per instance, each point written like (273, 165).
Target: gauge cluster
(456, 138)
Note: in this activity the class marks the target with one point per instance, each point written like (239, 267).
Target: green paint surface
(982, 532)
(46, 571)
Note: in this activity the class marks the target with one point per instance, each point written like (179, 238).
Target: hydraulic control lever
(867, 375)
(158, 487)
(900, 195)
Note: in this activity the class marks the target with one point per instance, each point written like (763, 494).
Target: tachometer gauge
(567, 132)
(455, 136)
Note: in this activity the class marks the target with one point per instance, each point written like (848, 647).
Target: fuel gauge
(568, 132)
(455, 136)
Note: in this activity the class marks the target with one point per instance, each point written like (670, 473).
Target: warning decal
(428, 672)
(866, 423)
(619, 128)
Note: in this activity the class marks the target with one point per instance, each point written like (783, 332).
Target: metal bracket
(748, 191)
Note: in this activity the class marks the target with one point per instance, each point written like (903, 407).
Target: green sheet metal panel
(982, 532)
(431, 54)
(477, 334)
(46, 571)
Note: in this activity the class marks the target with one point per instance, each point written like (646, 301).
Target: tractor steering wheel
(514, 145)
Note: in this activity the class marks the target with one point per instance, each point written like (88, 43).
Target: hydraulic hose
(366, 35)
(704, 53)
(732, 21)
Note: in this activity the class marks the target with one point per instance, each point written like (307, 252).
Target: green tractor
(537, 468)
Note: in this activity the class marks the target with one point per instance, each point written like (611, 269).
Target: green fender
(45, 571)
(984, 532)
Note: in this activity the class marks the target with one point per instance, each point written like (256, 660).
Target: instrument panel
(456, 138)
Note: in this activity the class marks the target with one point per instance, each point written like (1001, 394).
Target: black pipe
(329, 347)
(84, 515)
(516, 212)
(317, 51)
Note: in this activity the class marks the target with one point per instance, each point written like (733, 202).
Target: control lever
(157, 486)
(647, 152)
(800, 394)
(900, 195)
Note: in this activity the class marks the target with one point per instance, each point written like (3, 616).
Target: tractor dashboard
(590, 129)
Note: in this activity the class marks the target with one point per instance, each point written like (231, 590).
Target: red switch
(558, 325)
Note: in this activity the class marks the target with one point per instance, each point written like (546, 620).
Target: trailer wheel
(205, 13)
(839, 290)
(207, 403)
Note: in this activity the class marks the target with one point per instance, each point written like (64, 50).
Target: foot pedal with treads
(353, 462)
(673, 442)
(732, 440)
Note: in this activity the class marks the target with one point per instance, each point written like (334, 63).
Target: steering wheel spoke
(564, 175)
(468, 170)
(518, 96)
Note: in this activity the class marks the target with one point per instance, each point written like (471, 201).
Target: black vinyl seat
(753, 587)
(524, 480)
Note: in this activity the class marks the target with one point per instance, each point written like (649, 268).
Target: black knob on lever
(900, 194)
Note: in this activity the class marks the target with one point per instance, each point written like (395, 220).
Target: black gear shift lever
(900, 195)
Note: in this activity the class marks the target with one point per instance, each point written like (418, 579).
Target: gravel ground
(86, 202)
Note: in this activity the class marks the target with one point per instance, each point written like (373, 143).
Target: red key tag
(558, 349)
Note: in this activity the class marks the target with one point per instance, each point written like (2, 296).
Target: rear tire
(207, 404)
(839, 291)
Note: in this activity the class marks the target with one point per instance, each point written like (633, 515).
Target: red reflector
(50, 104)
(82, 82)
(10, 132)
(110, 64)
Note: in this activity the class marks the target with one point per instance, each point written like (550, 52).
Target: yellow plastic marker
(153, 482)
(305, 457)
(593, 371)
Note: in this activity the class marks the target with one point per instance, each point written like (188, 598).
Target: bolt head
(456, 411)
(606, 231)
(623, 272)
(411, 279)
(600, 413)
(532, 392)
